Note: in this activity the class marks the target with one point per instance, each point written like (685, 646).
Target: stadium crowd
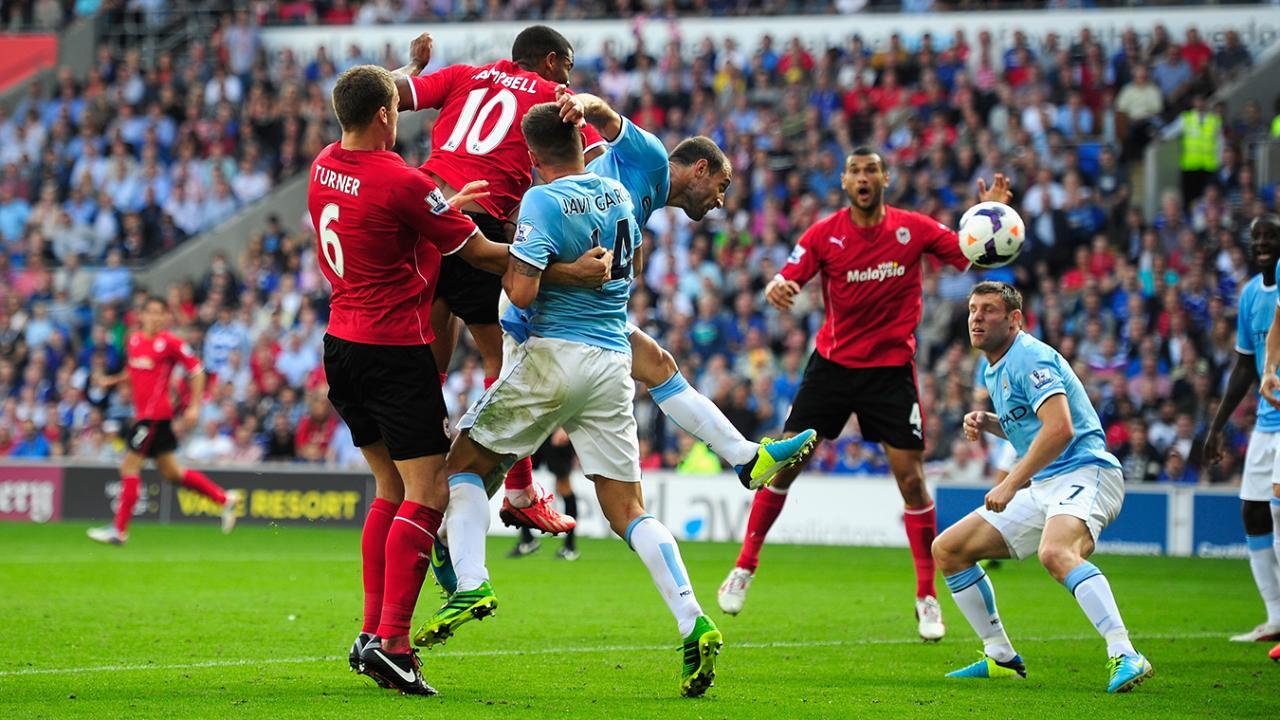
(128, 162)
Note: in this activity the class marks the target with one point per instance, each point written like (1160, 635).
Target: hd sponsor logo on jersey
(879, 273)
(439, 205)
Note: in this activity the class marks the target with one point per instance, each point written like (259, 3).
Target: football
(991, 234)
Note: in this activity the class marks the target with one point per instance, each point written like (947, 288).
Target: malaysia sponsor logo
(904, 235)
(142, 362)
(879, 273)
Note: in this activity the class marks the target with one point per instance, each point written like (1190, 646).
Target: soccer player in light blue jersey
(694, 178)
(573, 371)
(1257, 309)
(1063, 490)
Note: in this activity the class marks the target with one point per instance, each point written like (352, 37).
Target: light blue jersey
(1019, 383)
(638, 160)
(560, 221)
(1257, 308)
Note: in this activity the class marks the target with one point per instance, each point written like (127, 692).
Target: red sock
(444, 378)
(198, 481)
(129, 487)
(373, 552)
(765, 508)
(408, 558)
(520, 476)
(922, 528)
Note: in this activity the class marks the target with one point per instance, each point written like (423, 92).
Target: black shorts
(557, 459)
(151, 438)
(472, 293)
(885, 399)
(389, 393)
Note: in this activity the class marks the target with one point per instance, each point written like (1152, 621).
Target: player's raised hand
(473, 190)
(999, 191)
(999, 497)
(420, 52)
(572, 111)
(1270, 389)
(781, 293)
(973, 423)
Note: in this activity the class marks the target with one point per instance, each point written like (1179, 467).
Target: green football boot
(700, 650)
(463, 606)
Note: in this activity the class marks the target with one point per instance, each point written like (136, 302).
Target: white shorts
(1094, 494)
(1260, 466)
(547, 383)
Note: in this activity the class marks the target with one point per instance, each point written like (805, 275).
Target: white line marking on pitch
(563, 651)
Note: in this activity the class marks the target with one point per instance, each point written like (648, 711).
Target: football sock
(656, 547)
(974, 594)
(518, 483)
(468, 523)
(1091, 589)
(765, 508)
(922, 527)
(198, 481)
(1266, 572)
(129, 488)
(373, 554)
(444, 378)
(571, 509)
(698, 416)
(408, 557)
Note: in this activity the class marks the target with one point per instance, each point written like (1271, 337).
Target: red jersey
(150, 362)
(381, 227)
(478, 135)
(871, 282)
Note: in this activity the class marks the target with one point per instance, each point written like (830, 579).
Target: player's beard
(874, 197)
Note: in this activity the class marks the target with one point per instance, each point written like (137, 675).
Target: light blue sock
(1092, 591)
(973, 592)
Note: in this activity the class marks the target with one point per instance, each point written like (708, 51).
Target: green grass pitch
(187, 623)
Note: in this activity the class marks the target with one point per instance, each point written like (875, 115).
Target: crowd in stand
(1145, 310)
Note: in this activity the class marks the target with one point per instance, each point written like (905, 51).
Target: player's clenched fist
(420, 51)
(998, 497)
(973, 423)
(572, 110)
(1270, 389)
(781, 293)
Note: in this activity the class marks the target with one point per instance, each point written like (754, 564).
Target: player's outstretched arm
(1055, 435)
(575, 108)
(419, 58)
(1270, 383)
(590, 270)
(1243, 375)
(485, 254)
(521, 282)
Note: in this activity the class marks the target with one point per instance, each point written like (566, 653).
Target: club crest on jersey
(1041, 378)
(439, 205)
(1008, 392)
(904, 235)
(159, 345)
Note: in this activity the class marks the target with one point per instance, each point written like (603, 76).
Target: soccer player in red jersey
(382, 228)
(869, 256)
(151, 355)
(477, 136)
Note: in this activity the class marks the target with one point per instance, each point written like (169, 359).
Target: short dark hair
(536, 42)
(693, 149)
(1268, 223)
(865, 151)
(550, 138)
(155, 299)
(1008, 293)
(359, 93)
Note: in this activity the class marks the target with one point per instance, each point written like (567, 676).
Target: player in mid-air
(572, 371)
(869, 255)
(541, 58)
(477, 137)
(1256, 313)
(381, 229)
(151, 355)
(1063, 491)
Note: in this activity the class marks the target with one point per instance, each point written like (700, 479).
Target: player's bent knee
(1059, 560)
